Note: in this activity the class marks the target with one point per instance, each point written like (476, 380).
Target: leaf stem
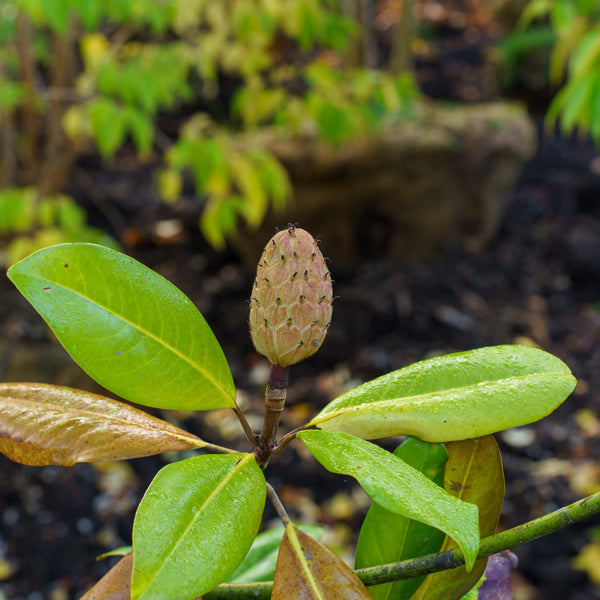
(252, 437)
(286, 439)
(219, 449)
(278, 505)
(441, 561)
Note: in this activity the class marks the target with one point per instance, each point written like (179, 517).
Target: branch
(441, 561)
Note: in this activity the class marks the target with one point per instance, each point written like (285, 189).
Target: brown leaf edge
(116, 584)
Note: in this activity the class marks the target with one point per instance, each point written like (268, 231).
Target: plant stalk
(278, 505)
(252, 437)
(440, 561)
(275, 395)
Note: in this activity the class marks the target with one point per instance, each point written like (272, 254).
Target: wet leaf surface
(454, 397)
(396, 486)
(386, 537)
(200, 516)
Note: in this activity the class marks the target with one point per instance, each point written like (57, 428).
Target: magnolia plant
(436, 498)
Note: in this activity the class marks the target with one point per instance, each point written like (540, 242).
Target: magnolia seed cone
(290, 309)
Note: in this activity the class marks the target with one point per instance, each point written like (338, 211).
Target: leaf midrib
(297, 547)
(151, 335)
(385, 466)
(90, 414)
(238, 465)
(419, 398)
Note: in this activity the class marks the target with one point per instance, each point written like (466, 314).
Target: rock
(440, 178)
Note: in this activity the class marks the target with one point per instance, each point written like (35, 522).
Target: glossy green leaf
(306, 570)
(194, 525)
(386, 537)
(396, 486)
(260, 562)
(454, 397)
(129, 328)
(474, 474)
(53, 425)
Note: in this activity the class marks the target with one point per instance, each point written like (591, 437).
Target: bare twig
(441, 561)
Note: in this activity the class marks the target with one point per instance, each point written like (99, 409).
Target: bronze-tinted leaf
(306, 570)
(116, 584)
(473, 474)
(53, 425)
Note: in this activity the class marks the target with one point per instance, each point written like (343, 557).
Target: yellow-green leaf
(454, 397)
(129, 328)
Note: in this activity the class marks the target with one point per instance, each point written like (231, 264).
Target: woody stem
(274, 401)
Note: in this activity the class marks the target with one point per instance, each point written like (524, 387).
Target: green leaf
(129, 328)
(578, 95)
(54, 425)
(108, 125)
(17, 210)
(386, 537)
(90, 12)
(260, 562)
(247, 179)
(454, 397)
(396, 486)
(587, 54)
(57, 15)
(336, 123)
(141, 129)
(473, 474)
(195, 524)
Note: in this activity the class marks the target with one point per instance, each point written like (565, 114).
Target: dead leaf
(306, 570)
(44, 424)
(116, 584)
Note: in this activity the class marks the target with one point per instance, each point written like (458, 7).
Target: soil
(537, 283)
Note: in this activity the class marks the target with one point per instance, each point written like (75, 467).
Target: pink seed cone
(290, 309)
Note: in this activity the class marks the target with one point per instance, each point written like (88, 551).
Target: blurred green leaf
(260, 562)
(108, 124)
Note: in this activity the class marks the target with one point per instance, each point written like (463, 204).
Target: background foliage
(111, 73)
(193, 86)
